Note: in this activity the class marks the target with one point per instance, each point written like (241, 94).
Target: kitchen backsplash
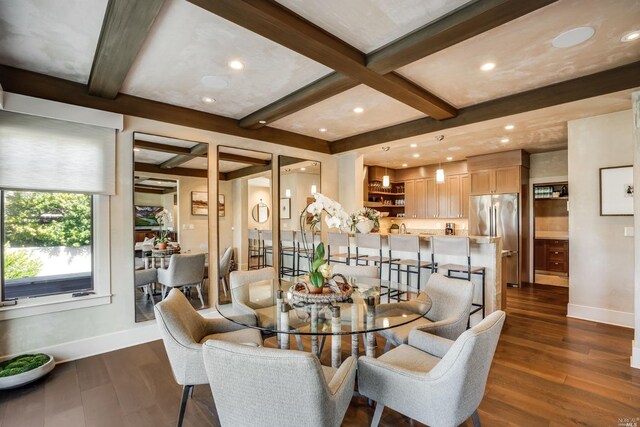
(427, 226)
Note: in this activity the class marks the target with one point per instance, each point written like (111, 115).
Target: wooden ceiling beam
(614, 80)
(147, 190)
(52, 88)
(148, 167)
(237, 158)
(164, 148)
(451, 29)
(249, 170)
(124, 28)
(280, 25)
(195, 151)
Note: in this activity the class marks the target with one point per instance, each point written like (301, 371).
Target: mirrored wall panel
(245, 213)
(299, 180)
(171, 221)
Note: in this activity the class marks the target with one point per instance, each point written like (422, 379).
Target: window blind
(38, 153)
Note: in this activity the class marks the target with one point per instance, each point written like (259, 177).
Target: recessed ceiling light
(208, 99)
(573, 37)
(454, 148)
(633, 35)
(413, 145)
(262, 122)
(449, 158)
(504, 140)
(303, 169)
(509, 127)
(488, 66)
(358, 110)
(236, 65)
(322, 129)
(416, 155)
(404, 165)
(136, 149)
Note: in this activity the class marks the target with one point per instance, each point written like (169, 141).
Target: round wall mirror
(260, 213)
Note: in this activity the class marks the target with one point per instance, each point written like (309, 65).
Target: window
(46, 243)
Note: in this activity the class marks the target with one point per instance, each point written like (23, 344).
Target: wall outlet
(191, 227)
(628, 232)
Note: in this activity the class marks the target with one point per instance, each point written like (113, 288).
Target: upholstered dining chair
(257, 312)
(433, 380)
(184, 331)
(145, 279)
(367, 271)
(269, 387)
(225, 264)
(450, 306)
(185, 271)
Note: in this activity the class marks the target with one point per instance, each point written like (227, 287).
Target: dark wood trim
(243, 159)
(154, 190)
(124, 28)
(147, 167)
(164, 148)
(614, 80)
(457, 26)
(250, 170)
(195, 151)
(278, 24)
(41, 86)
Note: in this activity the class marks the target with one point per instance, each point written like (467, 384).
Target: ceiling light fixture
(386, 182)
(488, 66)
(358, 110)
(404, 165)
(504, 140)
(236, 65)
(262, 122)
(303, 169)
(413, 145)
(416, 155)
(633, 35)
(449, 159)
(287, 193)
(440, 175)
(136, 149)
(509, 127)
(573, 37)
(322, 129)
(208, 99)
(314, 189)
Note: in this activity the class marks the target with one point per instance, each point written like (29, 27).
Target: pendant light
(314, 189)
(287, 193)
(440, 176)
(386, 182)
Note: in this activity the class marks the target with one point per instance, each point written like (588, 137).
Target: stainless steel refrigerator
(497, 215)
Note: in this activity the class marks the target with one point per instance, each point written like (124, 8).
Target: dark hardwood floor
(549, 370)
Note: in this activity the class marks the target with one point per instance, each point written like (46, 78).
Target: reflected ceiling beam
(460, 25)
(148, 167)
(154, 190)
(163, 148)
(278, 24)
(250, 170)
(55, 89)
(124, 28)
(195, 151)
(243, 159)
(614, 80)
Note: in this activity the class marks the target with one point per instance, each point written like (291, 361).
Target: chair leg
(183, 405)
(377, 415)
(299, 342)
(387, 347)
(199, 288)
(476, 419)
(164, 290)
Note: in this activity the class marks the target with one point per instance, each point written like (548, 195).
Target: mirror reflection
(171, 227)
(244, 213)
(299, 180)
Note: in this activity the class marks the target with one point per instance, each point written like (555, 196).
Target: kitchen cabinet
(454, 193)
(425, 198)
(420, 198)
(552, 256)
(431, 191)
(496, 181)
(410, 199)
(465, 187)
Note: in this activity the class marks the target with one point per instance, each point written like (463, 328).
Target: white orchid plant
(336, 217)
(366, 214)
(163, 217)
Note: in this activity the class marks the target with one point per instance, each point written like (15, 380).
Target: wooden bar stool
(305, 252)
(370, 241)
(266, 240)
(339, 240)
(409, 245)
(458, 247)
(287, 249)
(254, 250)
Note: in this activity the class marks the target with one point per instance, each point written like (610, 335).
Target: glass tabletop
(271, 306)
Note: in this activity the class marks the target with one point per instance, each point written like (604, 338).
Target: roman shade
(43, 154)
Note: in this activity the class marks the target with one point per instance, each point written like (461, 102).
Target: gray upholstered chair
(185, 271)
(145, 279)
(225, 264)
(269, 387)
(184, 331)
(433, 380)
(368, 271)
(450, 306)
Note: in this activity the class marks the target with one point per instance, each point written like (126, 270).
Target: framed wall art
(616, 190)
(199, 203)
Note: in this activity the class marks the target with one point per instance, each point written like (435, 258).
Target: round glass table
(375, 305)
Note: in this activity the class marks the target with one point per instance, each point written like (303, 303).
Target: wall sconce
(314, 189)
(287, 193)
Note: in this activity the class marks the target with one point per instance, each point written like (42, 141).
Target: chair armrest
(219, 326)
(345, 375)
(378, 365)
(244, 311)
(441, 328)
(429, 343)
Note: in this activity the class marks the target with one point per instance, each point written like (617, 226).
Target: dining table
(375, 305)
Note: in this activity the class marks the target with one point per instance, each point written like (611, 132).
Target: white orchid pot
(365, 226)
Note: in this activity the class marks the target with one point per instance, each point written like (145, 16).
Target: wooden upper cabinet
(454, 196)
(420, 199)
(425, 198)
(481, 182)
(507, 180)
(409, 199)
(465, 187)
(431, 193)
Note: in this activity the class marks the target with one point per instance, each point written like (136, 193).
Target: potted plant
(366, 220)
(162, 239)
(24, 369)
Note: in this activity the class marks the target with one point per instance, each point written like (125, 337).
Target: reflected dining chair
(225, 265)
(268, 387)
(184, 331)
(367, 271)
(433, 380)
(146, 279)
(185, 271)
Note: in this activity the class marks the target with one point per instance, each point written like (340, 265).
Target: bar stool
(459, 247)
(339, 240)
(287, 249)
(406, 244)
(254, 250)
(370, 241)
(305, 252)
(266, 240)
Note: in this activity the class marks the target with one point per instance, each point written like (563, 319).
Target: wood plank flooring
(549, 370)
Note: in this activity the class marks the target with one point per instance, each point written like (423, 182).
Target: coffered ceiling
(394, 59)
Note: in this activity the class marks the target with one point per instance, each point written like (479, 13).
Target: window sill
(51, 304)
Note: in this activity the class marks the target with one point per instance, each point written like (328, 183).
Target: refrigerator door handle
(495, 221)
(491, 222)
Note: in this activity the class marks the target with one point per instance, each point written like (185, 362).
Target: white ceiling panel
(196, 163)
(370, 24)
(188, 43)
(524, 56)
(154, 157)
(54, 37)
(337, 116)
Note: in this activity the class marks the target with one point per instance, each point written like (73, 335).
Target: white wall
(69, 332)
(225, 235)
(601, 258)
(548, 165)
(255, 195)
(300, 186)
(635, 357)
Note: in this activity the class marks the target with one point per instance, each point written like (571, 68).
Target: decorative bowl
(27, 377)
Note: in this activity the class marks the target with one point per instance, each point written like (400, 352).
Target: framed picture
(199, 203)
(285, 208)
(220, 205)
(616, 191)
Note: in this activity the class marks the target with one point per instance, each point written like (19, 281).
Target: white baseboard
(601, 315)
(635, 355)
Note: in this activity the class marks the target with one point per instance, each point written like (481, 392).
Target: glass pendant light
(386, 182)
(314, 189)
(440, 174)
